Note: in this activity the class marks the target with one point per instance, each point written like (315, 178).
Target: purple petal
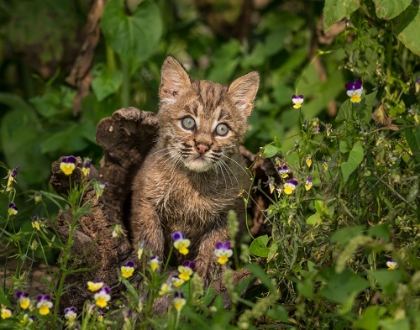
(129, 263)
(219, 245)
(300, 96)
(177, 236)
(12, 206)
(293, 182)
(106, 289)
(71, 159)
(224, 245)
(309, 178)
(127, 314)
(19, 294)
(353, 85)
(66, 310)
(15, 172)
(189, 264)
(294, 96)
(40, 297)
(179, 294)
(87, 163)
(73, 309)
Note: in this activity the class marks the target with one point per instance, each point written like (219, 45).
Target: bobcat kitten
(194, 173)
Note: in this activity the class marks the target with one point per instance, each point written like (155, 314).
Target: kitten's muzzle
(202, 148)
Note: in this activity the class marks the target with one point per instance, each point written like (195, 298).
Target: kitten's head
(202, 122)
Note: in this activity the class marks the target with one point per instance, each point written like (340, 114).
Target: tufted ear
(242, 91)
(174, 80)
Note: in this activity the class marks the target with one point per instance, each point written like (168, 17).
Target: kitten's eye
(188, 123)
(222, 129)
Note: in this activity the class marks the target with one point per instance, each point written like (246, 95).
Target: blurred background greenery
(48, 111)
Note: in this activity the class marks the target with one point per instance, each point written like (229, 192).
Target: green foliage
(325, 263)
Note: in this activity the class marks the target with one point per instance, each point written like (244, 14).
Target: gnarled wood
(126, 136)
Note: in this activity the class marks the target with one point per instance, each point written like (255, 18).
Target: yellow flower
(12, 210)
(289, 187)
(95, 286)
(154, 263)
(165, 289)
(223, 252)
(68, 164)
(309, 160)
(5, 313)
(179, 301)
(181, 243)
(35, 223)
(44, 304)
(102, 297)
(128, 269)
(176, 281)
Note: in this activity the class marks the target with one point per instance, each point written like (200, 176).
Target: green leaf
(341, 286)
(407, 27)
(3, 299)
(388, 9)
(105, 83)
(258, 272)
(20, 132)
(391, 324)
(413, 139)
(345, 112)
(387, 279)
(314, 219)
(278, 313)
(365, 113)
(344, 147)
(370, 318)
(270, 151)
(306, 288)
(272, 44)
(224, 62)
(344, 235)
(381, 231)
(259, 247)
(355, 158)
(133, 37)
(65, 141)
(336, 10)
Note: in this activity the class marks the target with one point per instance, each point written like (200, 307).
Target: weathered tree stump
(127, 137)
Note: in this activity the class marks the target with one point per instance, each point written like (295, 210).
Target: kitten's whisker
(240, 166)
(224, 166)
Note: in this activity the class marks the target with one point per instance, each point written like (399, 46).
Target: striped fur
(193, 176)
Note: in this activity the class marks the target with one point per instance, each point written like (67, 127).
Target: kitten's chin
(198, 165)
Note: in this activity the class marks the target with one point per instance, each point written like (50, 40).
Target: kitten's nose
(202, 147)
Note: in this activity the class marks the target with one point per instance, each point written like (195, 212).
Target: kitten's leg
(206, 260)
(146, 227)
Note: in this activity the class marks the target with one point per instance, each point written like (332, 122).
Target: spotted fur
(193, 176)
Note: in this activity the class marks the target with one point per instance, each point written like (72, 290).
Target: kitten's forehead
(211, 96)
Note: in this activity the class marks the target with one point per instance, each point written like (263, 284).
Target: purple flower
(186, 270)
(177, 236)
(223, 252)
(283, 171)
(14, 172)
(70, 313)
(12, 210)
(290, 186)
(354, 91)
(189, 264)
(297, 101)
(68, 164)
(86, 167)
(181, 243)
